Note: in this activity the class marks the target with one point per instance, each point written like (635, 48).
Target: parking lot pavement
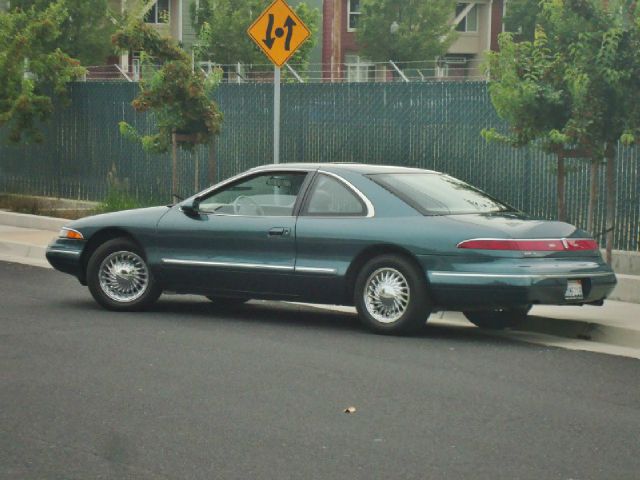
(188, 390)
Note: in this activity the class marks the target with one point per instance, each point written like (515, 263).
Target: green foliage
(521, 18)
(118, 196)
(178, 96)
(85, 31)
(575, 85)
(423, 30)
(33, 69)
(222, 31)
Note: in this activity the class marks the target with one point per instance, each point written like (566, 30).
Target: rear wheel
(498, 319)
(227, 301)
(391, 295)
(119, 278)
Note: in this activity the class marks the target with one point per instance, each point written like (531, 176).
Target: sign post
(276, 114)
(278, 32)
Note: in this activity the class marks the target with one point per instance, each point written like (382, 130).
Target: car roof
(362, 168)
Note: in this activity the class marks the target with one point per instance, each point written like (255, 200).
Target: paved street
(189, 391)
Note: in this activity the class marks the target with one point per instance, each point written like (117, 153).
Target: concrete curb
(627, 289)
(24, 253)
(22, 250)
(36, 222)
(582, 330)
(587, 333)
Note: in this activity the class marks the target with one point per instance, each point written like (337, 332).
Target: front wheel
(391, 295)
(119, 278)
(498, 319)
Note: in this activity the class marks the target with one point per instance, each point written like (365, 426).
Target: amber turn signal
(70, 234)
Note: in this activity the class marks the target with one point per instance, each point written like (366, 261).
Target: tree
(521, 18)
(222, 31)
(573, 90)
(405, 30)
(33, 69)
(85, 33)
(175, 93)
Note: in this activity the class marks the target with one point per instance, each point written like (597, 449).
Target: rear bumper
(470, 282)
(471, 289)
(498, 291)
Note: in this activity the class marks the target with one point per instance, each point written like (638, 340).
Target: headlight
(71, 234)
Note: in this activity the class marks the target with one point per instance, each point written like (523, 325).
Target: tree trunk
(196, 176)
(610, 154)
(212, 170)
(174, 166)
(593, 195)
(562, 207)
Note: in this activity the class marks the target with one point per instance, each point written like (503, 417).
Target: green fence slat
(434, 125)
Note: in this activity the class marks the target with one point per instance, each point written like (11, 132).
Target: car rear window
(437, 194)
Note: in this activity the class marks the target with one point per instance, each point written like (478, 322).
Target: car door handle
(279, 231)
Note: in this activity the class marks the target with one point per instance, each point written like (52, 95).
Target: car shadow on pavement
(192, 308)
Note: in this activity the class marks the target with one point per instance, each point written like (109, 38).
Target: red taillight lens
(581, 244)
(546, 245)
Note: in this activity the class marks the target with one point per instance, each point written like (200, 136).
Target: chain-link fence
(434, 125)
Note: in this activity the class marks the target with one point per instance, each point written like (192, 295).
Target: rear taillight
(581, 244)
(543, 245)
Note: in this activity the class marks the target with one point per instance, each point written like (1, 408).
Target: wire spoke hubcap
(386, 295)
(123, 276)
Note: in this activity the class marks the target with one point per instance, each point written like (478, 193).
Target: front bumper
(66, 256)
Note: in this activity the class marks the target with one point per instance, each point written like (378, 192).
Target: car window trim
(427, 213)
(368, 212)
(305, 190)
(247, 176)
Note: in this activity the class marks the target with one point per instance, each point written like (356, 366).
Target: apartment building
(478, 24)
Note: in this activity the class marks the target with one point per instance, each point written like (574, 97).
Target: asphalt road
(188, 391)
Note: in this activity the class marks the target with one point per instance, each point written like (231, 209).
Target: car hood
(137, 218)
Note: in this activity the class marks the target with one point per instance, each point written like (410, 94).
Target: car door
(329, 233)
(241, 240)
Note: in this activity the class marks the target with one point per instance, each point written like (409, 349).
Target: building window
(359, 69)
(470, 22)
(353, 14)
(158, 13)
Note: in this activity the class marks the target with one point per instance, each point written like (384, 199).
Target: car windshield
(437, 194)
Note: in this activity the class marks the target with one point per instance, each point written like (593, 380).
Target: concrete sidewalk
(616, 323)
(24, 245)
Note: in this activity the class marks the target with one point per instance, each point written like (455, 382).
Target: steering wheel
(237, 205)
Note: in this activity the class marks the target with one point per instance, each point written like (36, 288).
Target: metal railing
(448, 69)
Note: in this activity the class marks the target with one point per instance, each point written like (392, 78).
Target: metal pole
(400, 72)
(276, 115)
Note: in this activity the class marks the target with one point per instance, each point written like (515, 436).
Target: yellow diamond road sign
(278, 32)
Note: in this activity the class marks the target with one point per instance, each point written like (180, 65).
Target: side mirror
(191, 208)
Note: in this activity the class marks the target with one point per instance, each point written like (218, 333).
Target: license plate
(574, 290)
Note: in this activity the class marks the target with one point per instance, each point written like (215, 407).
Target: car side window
(267, 194)
(331, 197)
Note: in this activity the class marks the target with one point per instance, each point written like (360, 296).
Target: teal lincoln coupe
(398, 243)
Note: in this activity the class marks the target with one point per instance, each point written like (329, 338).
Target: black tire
(498, 319)
(411, 311)
(144, 292)
(227, 302)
